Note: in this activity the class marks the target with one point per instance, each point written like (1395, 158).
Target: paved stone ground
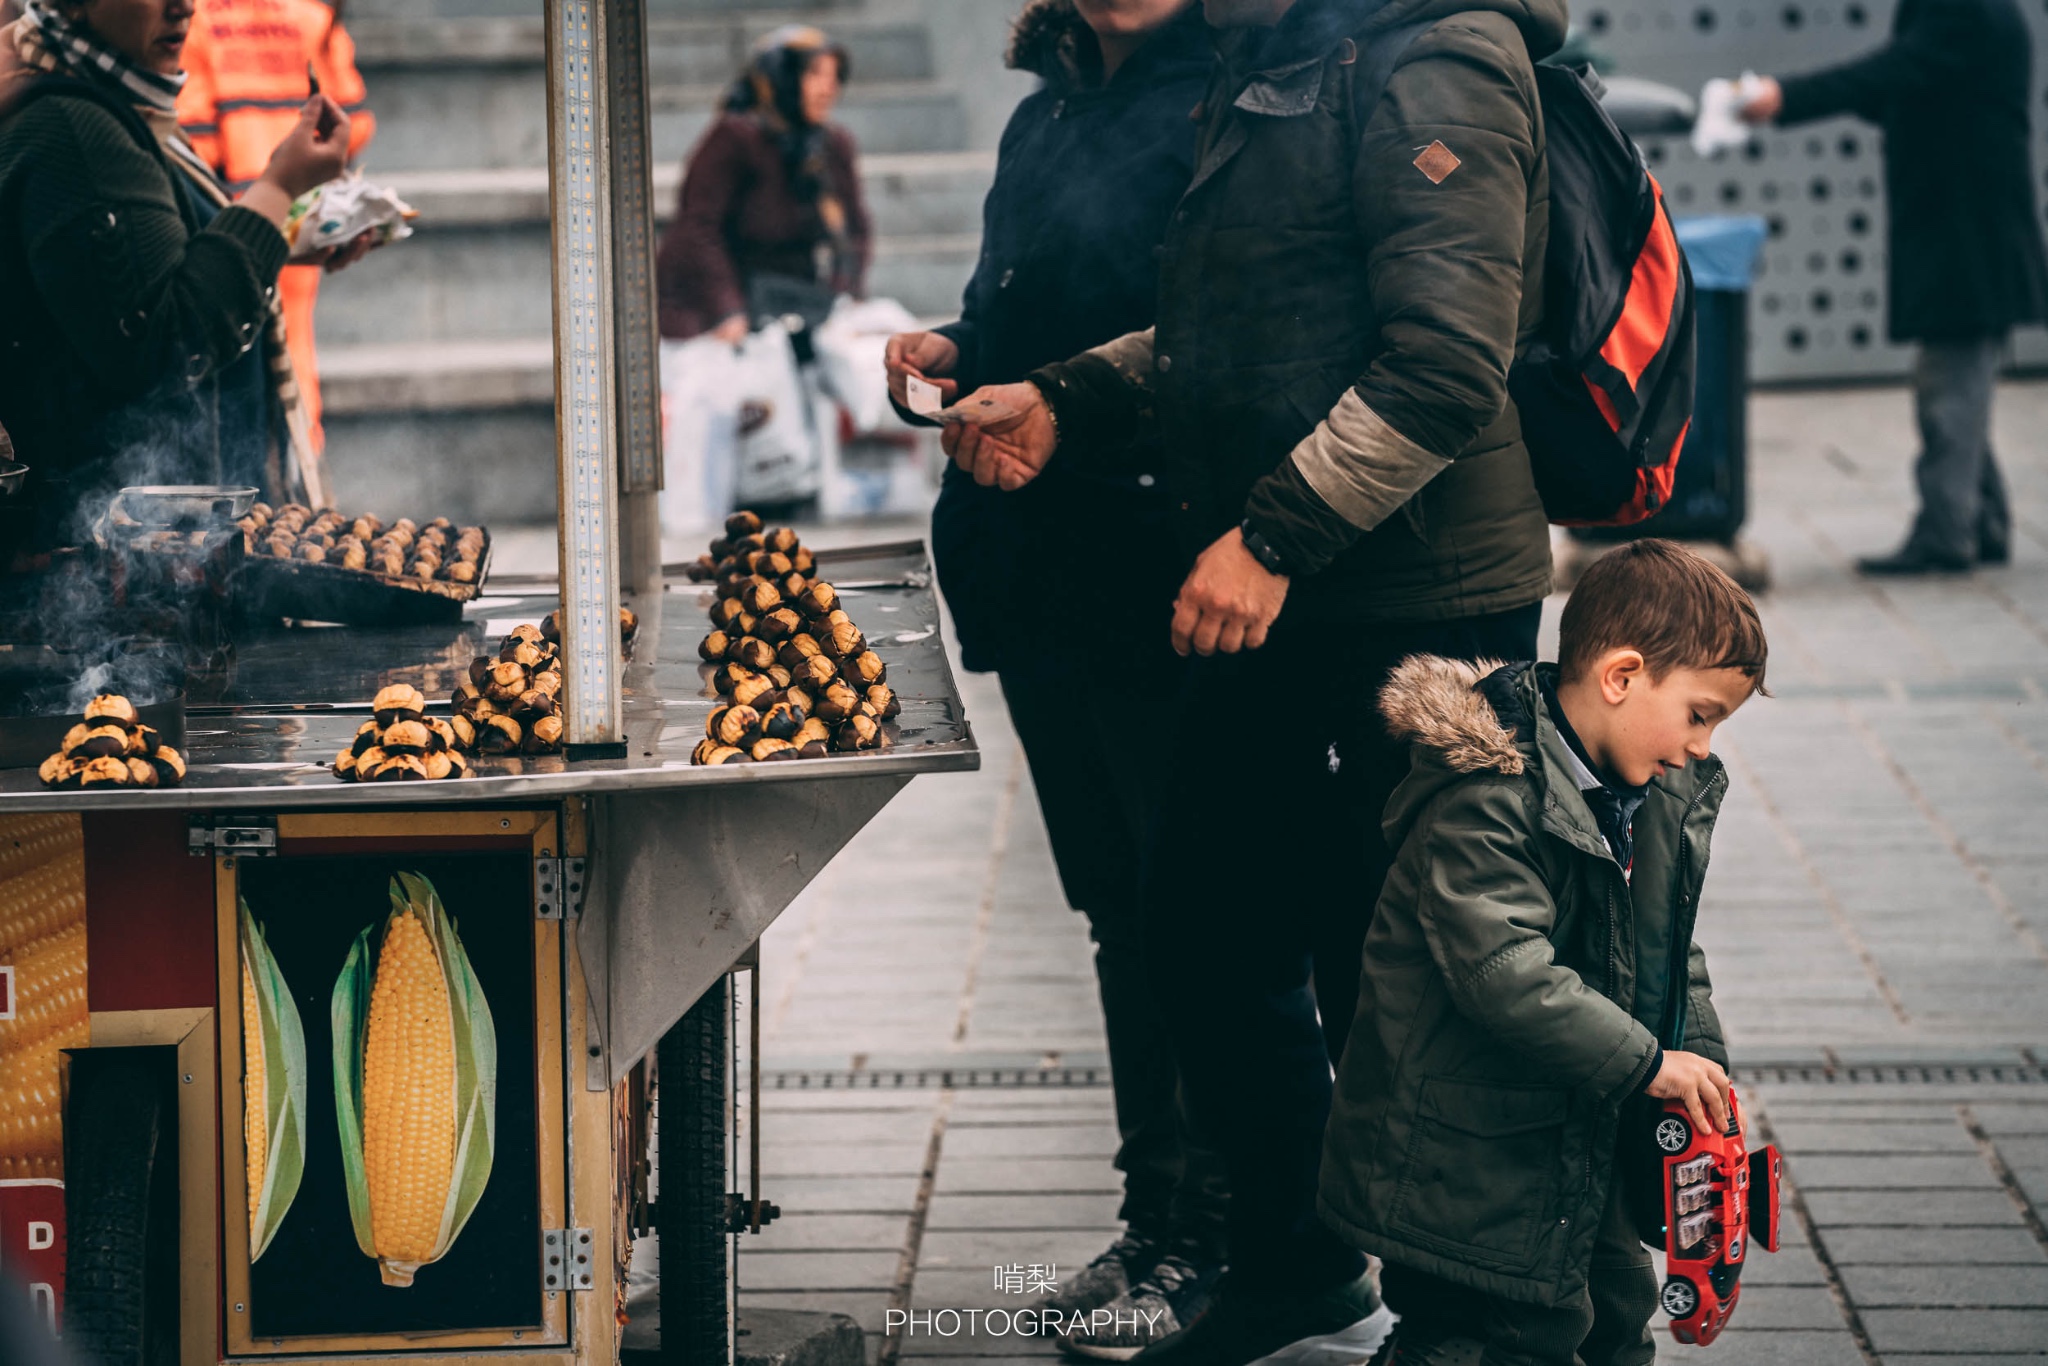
(1875, 913)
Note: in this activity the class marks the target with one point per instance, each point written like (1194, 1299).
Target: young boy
(1530, 970)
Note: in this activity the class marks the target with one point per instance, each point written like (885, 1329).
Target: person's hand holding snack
(313, 153)
(1697, 1081)
(928, 356)
(1009, 449)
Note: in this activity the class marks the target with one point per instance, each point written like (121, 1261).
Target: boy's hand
(1697, 1081)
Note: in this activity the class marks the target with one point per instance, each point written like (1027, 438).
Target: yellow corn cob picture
(42, 939)
(273, 1087)
(415, 1083)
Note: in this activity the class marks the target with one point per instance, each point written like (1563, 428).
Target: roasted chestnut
(812, 731)
(629, 623)
(761, 597)
(816, 673)
(751, 688)
(458, 765)
(141, 773)
(755, 653)
(882, 700)
(407, 737)
(104, 773)
(439, 765)
(802, 561)
(742, 524)
(858, 731)
(769, 564)
(814, 749)
(345, 765)
(464, 731)
(779, 538)
(524, 653)
(444, 733)
(398, 768)
(799, 697)
(863, 670)
(779, 676)
(528, 632)
(733, 725)
(111, 707)
(838, 701)
(53, 770)
(798, 648)
(74, 737)
(792, 585)
(820, 599)
(766, 749)
(354, 557)
(531, 706)
(726, 611)
(702, 570)
(508, 679)
(544, 736)
(780, 624)
(399, 702)
(499, 735)
(720, 754)
(843, 640)
(107, 741)
(782, 721)
(142, 742)
(730, 676)
(714, 647)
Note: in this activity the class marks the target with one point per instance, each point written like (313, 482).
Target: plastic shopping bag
(778, 449)
(700, 416)
(849, 345)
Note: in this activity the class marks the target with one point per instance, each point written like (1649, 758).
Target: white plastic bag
(1721, 126)
(1351, 1346)
(699, 434)
(850, 344)
(778, 451)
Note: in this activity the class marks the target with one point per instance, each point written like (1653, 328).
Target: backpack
(1605, 391)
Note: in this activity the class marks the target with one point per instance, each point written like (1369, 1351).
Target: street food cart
(214, 996)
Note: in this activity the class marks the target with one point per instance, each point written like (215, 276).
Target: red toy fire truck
(1719, 1199)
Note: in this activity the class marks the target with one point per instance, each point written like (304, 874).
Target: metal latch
(558, 888)
(250, 836)
(565, 1263)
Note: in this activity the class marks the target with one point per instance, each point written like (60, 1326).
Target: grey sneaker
(1170, 1297)
(1241, 1326)
(1107, 1277)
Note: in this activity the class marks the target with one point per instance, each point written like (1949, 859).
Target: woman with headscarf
(140, 341)
(770, 220)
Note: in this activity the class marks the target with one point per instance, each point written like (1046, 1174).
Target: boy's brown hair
(1656, 596)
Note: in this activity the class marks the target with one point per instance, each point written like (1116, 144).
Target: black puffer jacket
(1085, 178)
(1953, 93)
(1342, 292)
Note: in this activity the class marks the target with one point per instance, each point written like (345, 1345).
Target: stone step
(496, 115)
(478, 265)
(693, 51)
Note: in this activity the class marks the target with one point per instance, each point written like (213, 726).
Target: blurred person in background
(1088, 172)
(770, 231)
(141, 336)
(1951, 91)
(250, 65)
(770, 217)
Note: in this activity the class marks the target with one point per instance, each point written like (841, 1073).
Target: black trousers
(1093, 787)
(1263, 861)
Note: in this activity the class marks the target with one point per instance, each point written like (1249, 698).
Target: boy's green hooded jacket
(1473, 1131)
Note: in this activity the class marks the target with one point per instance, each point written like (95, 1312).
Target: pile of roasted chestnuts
(112, 748)
(402, 549)
(401, 743)
(511, 703)
(794, 675)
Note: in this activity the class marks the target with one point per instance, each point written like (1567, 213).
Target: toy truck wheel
(121, 1208)
(1673, 1135)
(1680, 1297)
(690, 1215)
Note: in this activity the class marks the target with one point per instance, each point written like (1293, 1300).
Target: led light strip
(585, 416)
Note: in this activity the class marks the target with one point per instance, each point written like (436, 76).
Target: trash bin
(1710, 495)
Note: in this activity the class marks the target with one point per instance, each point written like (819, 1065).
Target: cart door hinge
(249, 836)
(558, 889)
(565, 1259)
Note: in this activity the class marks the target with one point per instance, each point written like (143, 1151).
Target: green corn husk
(284, 1072)
(476, 1071)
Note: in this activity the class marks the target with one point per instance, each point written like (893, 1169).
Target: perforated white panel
(1818, 308)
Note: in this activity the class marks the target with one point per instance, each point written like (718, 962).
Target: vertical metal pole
(638, 377)
(586, 412)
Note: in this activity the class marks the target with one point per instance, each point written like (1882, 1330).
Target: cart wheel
(121, 1208)
(690, 1214)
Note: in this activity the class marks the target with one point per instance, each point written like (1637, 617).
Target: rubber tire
(121, 1258)
(692, 1063)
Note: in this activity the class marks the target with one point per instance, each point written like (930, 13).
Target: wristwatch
(1262, 550)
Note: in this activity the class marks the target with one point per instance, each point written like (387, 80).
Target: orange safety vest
(247, 65)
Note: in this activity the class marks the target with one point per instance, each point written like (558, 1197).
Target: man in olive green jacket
(1526, 960)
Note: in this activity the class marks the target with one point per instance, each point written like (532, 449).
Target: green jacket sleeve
(1702, 1022)
(1442, 187)
(1487, 918)
(135, 296)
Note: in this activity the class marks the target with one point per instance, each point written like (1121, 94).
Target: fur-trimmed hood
(1051, 40)
(1437, 703)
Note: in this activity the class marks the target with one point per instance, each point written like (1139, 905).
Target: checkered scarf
(45, 41)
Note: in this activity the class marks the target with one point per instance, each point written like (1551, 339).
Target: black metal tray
(302, 591)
